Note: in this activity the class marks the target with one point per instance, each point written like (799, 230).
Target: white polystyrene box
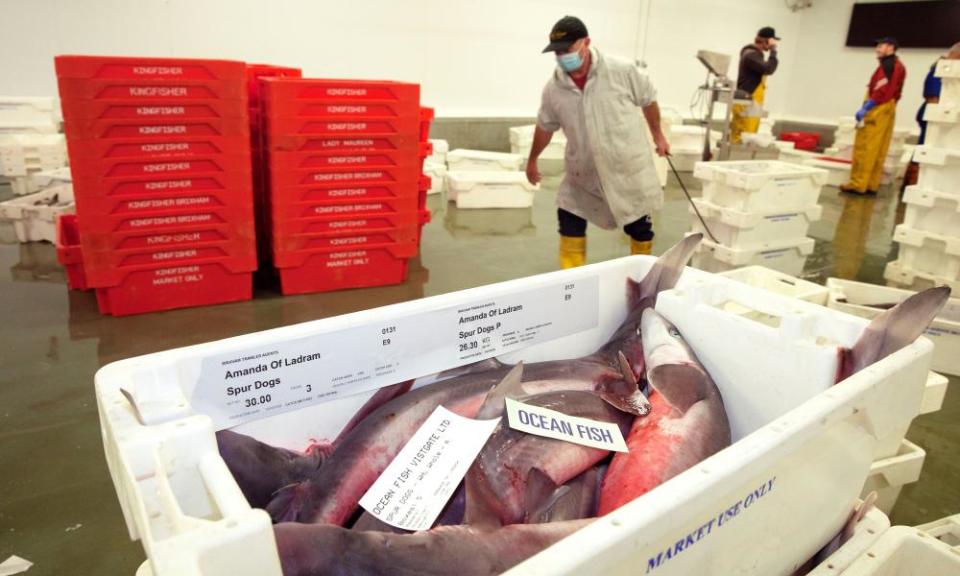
(475, 160)
(780, 283)
(490, 189)
(939, 168)
(811, 441)
(928, 252)
(949, 73)
(932, 211)
(756, 185)
(863, 299)
(754, 229)
(906, 551)
(34, 216)
(889, 475)
(943, 125)
(788, 258)
(438, 177)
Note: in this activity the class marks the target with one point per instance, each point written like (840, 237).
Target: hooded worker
(875, 120)
(752, 81)
(610, 178)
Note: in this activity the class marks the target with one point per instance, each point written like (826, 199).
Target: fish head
(672, 368)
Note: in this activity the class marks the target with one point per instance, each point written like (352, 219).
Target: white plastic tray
(889, 475)
(20, 111)
(838, 173)
(928, 252)
(939, 168)
(943, 125)
(38, 223)
(903, 276)
(811, 441)
(906, 551)
(780, 283)
(949, 73)
(788, 257)
(851, 297)
(760, 185)
(490, 189)
(947, 530)
(754, 229)
(476, 160)
(865, 534)
(933, 211)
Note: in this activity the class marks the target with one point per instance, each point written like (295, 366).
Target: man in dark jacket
(752, 81)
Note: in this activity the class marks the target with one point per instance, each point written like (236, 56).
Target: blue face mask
(570, 62)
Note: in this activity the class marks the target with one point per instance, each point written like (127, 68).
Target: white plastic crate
(928, 252)
(865, 534)
(780, 283)
(906, 551)
(932, 211)
(439, 154)
(20, 111)
(521, 140)
(838, 171)
(949, 73)
(787, 258)
(946, 530)
(811, 441)
(863, 300)
(490, 189)
(792, 155)
(690, 137)
(686, 160)
(760, 185)
(754, 229)
(34, 216)
(475, 160)
(939, 168)
(934, 392)
(943, 125)
(889, 475)
(438, 176)
(901, 275)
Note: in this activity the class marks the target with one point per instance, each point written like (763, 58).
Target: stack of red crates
(160, 155)
(346, 190)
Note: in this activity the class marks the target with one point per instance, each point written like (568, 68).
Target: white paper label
(559, 426)
(256, 382)
(412, 491)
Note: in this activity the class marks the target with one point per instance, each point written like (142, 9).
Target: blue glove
(867, 106)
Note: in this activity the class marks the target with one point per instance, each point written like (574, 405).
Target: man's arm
(754, 61)
(652, 113)
(541, 138)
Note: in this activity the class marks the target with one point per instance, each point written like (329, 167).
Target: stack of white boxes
(929, 237)
(758, 212)
(435, 166)
(29, 140)
(686, 144)
(482, 179)
(550, 162)
(840, 155)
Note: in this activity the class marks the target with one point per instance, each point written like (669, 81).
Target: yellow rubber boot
(573, 251)
(644, 248)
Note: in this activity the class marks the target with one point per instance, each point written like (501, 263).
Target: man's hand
(772, 44)
(533, 174)
(663, 147)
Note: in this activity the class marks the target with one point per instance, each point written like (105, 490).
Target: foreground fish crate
(889, 475)
(866, 532)
(781, 283)
(863, 299)
(802, 447)
(906, 551)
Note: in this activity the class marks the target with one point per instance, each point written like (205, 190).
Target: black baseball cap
(565, 32)
(888, 40)
(767, 32)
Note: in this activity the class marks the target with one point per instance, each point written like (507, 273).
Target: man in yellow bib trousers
(610, 178)
(752, 82)
(875, 120)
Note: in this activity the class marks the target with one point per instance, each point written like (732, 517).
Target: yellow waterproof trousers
(870, 148)
(739, 121)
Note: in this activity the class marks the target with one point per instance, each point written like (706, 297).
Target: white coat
(610, 177)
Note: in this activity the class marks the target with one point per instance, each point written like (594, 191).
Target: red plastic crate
(313, 242)
(280, 127)
(238, 182)
(280, 179)
(350, 208)
(340, 226)
(426, 118)
(97, 217)
(97, 208)
(362, 192)
(339, 109)
(160, 129)
(87, 111)
(324, 90)
(372, 143)
(188, 235)
(72, 66)
(70, 252)
(802, 140)
(257, 71)
(160, 167)
(343, 269)
(110, 268)
(98, 150)
(119, 89)
(182, 286)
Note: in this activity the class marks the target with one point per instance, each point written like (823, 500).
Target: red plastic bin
(349, 208)
(359, 267)
(371, 143)
(282, 127)
(176, 147)
(340, 226)
(361, 192)
(70, 252)
(426, 118)
(326, 90)
(74, 66)
(235, 183)
(340, 109)
(181, 286)
(159, 129)
(312, 242)
(84, 112)
(160, 167)
(279, 179)
(255, 72)
(120, 89)
(802, 140)
(337, 158)
(112, 267)
(95, 218)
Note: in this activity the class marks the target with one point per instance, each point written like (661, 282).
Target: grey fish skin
(318, 549)
(574, 500)
(261, 469)
(516, 472)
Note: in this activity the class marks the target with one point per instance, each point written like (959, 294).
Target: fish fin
(665, 272)
(287, 502)
(681, 385)
(379, 398)
(894, 329)
(481, 366)
(509, 387)
(634, 401)
(540, 494)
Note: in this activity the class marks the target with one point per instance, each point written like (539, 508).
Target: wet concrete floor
(58, 507)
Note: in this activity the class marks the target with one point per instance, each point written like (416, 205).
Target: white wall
(473, 57)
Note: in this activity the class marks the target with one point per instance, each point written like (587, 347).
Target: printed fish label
(549, 423)
(413, 490)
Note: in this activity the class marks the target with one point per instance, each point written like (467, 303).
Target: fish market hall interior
(665, 287)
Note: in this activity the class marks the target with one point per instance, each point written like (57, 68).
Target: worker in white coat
(610, 177)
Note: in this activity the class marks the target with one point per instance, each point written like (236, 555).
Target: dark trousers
(573, 225)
